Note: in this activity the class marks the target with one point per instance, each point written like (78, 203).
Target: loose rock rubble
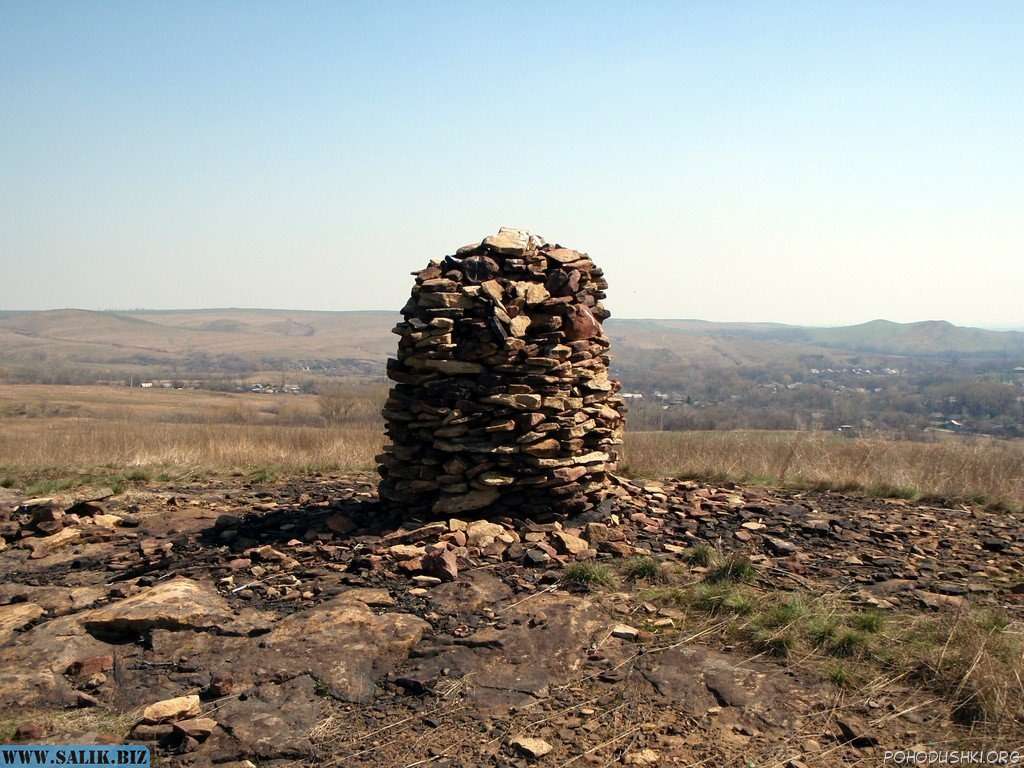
(226, 622)
(502, 398)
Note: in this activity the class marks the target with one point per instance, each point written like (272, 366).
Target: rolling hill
(233, 342)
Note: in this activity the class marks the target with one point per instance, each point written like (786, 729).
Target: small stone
(530, 747)
(406, 551)
(508, 241)
(83, 700)
(779, 547)
(222, 684)
(29, 732)
(626, 632)
(90, 666)
(168, 710)
(442, 564)
(340, 524)
(519, 325)
(198, 728)
(106, 521)
(148, 732)
(426, 581)
(481, 533)
(570, 544)
(643, 757)
(537, 557)
(853, 731)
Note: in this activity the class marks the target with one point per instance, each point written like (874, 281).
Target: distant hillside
(189, 343)
(233, 342)
(930, 337)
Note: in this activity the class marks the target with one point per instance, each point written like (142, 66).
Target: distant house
(847, 430)
(632, 396)
(146, 385)
(954, 425)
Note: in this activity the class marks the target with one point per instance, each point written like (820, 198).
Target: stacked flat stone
(502, 399)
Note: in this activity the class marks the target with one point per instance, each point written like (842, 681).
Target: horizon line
(1010, 327)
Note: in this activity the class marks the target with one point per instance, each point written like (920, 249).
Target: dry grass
(979, 469)
(972, 659)
(125, 444)
(48, 430)
(109, 433)
(95, 720)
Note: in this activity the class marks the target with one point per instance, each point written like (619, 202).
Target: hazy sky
(817, 163)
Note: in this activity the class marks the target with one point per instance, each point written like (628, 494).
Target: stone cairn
(502, 398)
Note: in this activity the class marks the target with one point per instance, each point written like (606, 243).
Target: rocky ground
(299, 622)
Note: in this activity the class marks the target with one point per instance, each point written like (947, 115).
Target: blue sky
(817, 163)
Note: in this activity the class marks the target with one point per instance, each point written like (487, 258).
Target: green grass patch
(870, 621)
(848, 643)
(735, 568)
(722, 598)
(589, 575)
(780, 643)
(50, 484)
(840, 676)
(783, 614)
(645, 569)
(262, 475)
(674, 597)
(886, 491)
(700, 555)
(974, 659)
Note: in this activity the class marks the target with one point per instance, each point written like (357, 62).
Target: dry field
(53, 436)
(981, 469)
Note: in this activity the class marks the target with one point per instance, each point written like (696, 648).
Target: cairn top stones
(501, 397)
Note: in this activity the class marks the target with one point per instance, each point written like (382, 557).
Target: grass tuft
(779, 643)
(589, 575)
(840, 676)
(975, 659)
(735, 568)
(870, 621)
(848, 643)
(700, 555)
(722, 598)
(645, 569)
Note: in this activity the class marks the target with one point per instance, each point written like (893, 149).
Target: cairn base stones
(501, 398)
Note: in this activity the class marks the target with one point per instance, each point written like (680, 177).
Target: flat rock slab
(342, 644)
(55, 601)
(175, 605)
(697, 678)
(543, 643)
(15, 617)
(270, 723)
(32, 664)
(470, 593)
